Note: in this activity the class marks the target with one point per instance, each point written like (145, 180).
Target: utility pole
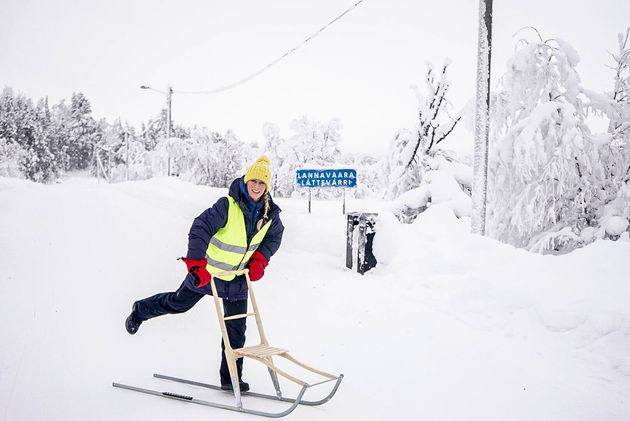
(169, 94)
(127, 157)
(482, 120)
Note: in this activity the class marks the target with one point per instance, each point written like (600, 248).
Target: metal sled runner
(262, 353)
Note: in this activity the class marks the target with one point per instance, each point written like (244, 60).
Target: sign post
(343, 178)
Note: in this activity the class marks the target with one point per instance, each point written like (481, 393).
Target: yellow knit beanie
(259, 170)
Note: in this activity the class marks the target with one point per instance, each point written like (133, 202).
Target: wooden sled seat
(259, 351)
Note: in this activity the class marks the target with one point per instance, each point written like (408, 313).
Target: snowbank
(448, 326)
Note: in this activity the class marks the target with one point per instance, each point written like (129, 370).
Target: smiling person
(241, 230)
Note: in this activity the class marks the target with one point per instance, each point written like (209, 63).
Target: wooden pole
(482, 119)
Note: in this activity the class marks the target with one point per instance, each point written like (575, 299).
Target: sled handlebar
(232, 272)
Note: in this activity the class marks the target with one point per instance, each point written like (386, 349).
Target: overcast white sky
(358, 70)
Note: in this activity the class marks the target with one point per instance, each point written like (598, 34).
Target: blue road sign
(327, 178)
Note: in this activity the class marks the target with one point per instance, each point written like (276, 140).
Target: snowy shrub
(550, 240)
(614, 217)
(446, 182)
(410, 204)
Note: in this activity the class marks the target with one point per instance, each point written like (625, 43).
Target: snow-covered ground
(449, 326)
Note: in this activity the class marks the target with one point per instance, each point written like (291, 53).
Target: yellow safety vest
(228, 248)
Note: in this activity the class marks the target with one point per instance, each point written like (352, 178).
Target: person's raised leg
(179, 301)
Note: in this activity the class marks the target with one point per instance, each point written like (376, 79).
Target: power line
(253, 75)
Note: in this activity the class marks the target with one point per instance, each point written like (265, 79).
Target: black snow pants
(183, 300)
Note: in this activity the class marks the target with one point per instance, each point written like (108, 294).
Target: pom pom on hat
(259, 170)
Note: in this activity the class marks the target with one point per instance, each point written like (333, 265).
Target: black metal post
(349, 240)
(361, 245)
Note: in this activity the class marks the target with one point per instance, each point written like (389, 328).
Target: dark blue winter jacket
(215, 218)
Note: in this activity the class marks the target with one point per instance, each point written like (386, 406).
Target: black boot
(133, 322)
(241, 384)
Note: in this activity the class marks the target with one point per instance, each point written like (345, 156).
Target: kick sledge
(262, 353)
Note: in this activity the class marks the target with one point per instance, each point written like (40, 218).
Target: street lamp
(169, 94)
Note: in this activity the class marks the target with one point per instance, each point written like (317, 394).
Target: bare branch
(427, 130)
(432, 138)
(528, 27)
(415, 150)
(449, 131)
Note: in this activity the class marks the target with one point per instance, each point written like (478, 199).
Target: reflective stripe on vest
(228, 248)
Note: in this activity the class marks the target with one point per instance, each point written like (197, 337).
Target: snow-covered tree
(83, 133)
(39, 162)
(313, 145)
(28, 137)
(215, 159)
(544, 169)
(619, 126)
(136, 165)
(8, 126)
(370, 175)
(10, 155)
(202, 159)
(154, 131)
(402, 178)
(419, 172)
(614, 215)
(10, 149)
(317, 143)
(272, 146)
(618, 164)
(410, 149)
(111, 153)
(25, 137)
(173, 153)
(234, 157)
(120, 154)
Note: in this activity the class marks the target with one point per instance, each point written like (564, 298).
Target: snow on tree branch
(551, 178)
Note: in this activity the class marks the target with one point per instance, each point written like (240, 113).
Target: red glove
(257, 265)
(198, 269)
